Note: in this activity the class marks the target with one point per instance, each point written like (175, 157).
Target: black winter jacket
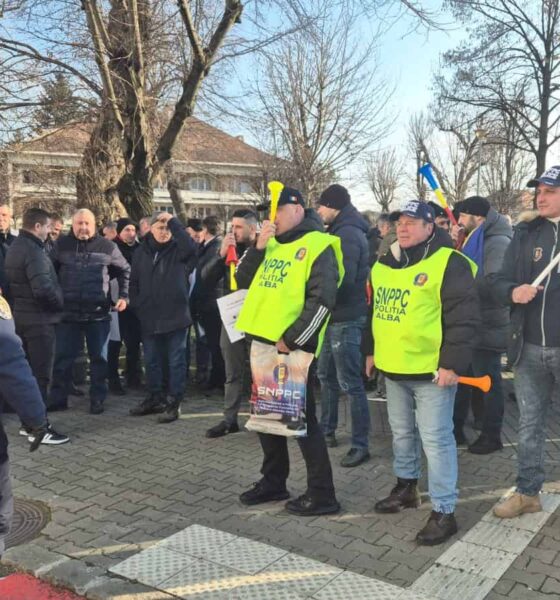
(352, 230)
(493, 331)
(205, 290)
(159, 293)
(215, 273)
(320, 291)
(534, 244)
(34, 288)
(459, 299)
(6, 239)
(84, 269)
(18, 387)
(127, 250)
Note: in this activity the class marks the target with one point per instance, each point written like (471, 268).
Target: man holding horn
(292, 276)
(425, 314)
(534, 344)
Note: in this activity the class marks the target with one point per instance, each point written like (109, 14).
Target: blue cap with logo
(550, 177)
(416, 210)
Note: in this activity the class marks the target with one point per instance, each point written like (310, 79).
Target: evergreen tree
(58, 104)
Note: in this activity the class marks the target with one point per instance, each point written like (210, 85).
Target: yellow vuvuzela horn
(275, 188)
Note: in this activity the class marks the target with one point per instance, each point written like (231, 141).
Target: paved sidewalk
(125, 483)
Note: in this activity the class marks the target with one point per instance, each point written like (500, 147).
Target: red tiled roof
(199, 142)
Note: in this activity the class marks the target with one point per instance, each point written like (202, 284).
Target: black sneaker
(259, 495)
(222, 429)
(305, 506)
(355, 457)
(439, 528)
(330, 440)
(486, 444)
(51, 438)
(151, 405)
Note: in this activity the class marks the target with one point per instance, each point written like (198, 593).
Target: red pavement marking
(27, 587)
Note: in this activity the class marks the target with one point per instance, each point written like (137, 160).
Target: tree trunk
(100, 170)
(136, 195)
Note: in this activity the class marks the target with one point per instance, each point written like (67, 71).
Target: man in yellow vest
(425, 314)
(292, 276)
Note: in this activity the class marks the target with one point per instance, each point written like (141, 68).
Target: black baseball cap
(416, 210)
(439, 211)
(550, 177)
(287, 196)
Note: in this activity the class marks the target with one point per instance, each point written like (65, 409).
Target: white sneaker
(52, 438)
(23, 431)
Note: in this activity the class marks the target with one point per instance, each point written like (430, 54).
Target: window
(199, 183)
(240, 186)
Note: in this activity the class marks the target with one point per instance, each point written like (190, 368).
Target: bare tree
(320, 101)
(509, 64)
(383, 172)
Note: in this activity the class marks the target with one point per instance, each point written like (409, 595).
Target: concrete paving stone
(531, 522)
(73, 574)
(112, 588)
(531, 580)
(504, 586)
(446, 583)
(542, 554)
(521, 592)
(536, 566)
(551, 586)
(350, 585)
(31, 557)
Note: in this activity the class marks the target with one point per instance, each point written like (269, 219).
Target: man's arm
(44, 288)
(460, 315)
(320, 299)
(248, 266)
(502, 283)
(187, 246)
(18, 386)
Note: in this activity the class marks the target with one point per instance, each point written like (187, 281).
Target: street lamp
(480, 134)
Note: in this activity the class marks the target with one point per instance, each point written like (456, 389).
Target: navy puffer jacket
(84, 268)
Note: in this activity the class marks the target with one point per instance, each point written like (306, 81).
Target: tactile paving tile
(481, 561)
(152, 566)
(445, 583)
(352, 585)
(246, 555)
(550, 502)
(197, 540)
(412, 595)
(300, 575)
(530, 522)
(204, 580)
(495, 535)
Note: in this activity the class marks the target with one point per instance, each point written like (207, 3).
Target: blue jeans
(537, 377)
(339, 368)
(69, 340)
(161, 348)
(421, 414)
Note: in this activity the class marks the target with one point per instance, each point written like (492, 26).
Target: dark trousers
(69, 338)
(130, 330)
(166, 349)
(489, 408)
(276, 463)
(39, 345)
(238, 375)
(212, 325)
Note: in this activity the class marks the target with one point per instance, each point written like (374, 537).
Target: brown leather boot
(404, 495)
(517, 504)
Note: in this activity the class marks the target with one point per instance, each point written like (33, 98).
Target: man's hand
(268, 231)
(523, 294)
(229, 240)
(456, 232)
(38, 434)
(370, 366)
(165, 217)
(121, 305)
(281, 346)
(446, 377)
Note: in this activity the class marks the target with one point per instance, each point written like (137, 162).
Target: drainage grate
(29, 519)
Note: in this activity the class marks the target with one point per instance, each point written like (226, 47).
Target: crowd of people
(412, 302)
